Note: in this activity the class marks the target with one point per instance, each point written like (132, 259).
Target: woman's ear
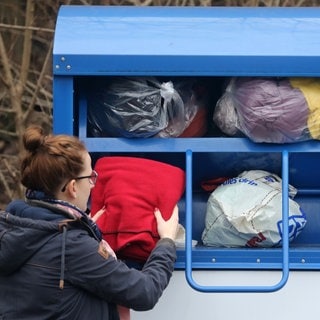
(71, 189)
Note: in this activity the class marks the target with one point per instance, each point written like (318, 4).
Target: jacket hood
(21, 236)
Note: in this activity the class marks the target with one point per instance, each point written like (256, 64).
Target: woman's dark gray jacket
(52, 267)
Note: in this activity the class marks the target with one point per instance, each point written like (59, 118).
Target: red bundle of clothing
(130, 189)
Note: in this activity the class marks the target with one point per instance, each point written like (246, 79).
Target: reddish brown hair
(50, 160)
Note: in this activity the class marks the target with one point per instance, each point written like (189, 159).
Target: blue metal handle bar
(285, 235)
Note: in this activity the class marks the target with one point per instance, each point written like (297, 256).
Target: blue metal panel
(63, 114)
(105, 40)
(196, 144)
(301, 258)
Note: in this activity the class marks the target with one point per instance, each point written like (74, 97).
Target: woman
(53, 263)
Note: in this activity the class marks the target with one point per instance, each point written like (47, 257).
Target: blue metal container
(98, 42)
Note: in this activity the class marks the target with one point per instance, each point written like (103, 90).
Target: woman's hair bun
(33, 138)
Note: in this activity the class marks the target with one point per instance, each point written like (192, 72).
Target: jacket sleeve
(111, 279)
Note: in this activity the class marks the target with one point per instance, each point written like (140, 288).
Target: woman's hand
(169, 228)
(98, 214)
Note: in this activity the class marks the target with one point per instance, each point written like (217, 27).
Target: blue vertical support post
(63, 112)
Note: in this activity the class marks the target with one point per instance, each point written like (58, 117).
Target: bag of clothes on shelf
(142, 107)
(246, 211)
(272, 110)
(130, 188)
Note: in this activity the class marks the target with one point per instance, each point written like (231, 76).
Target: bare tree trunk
(24, 71)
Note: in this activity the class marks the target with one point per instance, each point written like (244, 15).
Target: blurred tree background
(26, 41)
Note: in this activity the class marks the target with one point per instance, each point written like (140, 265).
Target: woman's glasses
(92, 179)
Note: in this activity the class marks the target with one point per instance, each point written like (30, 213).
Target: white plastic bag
(246, 211)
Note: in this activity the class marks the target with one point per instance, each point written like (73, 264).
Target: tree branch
(40, 78)
(22, 28)
(27, 45)
(8, 78)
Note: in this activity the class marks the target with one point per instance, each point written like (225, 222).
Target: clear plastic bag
(141, 107)
(274, 110)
